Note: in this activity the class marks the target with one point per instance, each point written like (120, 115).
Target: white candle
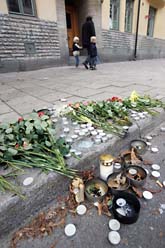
(106, 166)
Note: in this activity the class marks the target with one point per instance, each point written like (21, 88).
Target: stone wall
(27, 43)
(120, 46)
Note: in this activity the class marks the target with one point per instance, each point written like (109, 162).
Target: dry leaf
(134, 159)
(138, 192)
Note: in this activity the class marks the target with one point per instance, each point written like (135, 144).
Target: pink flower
(40, 114)
(20, 119)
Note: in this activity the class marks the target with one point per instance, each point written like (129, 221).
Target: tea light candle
(69, 140)
(81, 209)
(89, 125)
(94, 133)
(77, 131)
(121, 202)
(154, 149)
(136, 118)
(100, 131)
(133, 115)
(148, 143)
(64, 119)
(65, 123)
(125, 128)
(83, 125)
(68, 155)
(63, 100)
(114, 237)
(97, 141)
(70, 230)
(54, 120)
(162, 129)
(102, 134)
(62, 135)
(155, 167)
(106, 166)
(155, 174)
(81, 133)
(74, 123)
(117, 166)
(148, 138)
(90, 128)
(109, 136)
(132, 172)
(85, 130)
(77, 153)
(75, 136)
(66, 130)
(104, 139)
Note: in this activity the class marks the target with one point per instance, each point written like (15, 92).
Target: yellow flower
(134, 96)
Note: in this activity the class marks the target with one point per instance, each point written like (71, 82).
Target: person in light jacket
(76, 50)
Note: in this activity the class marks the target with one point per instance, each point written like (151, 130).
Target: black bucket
(132, 204)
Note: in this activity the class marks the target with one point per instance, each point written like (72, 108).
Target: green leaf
(3, 148)
(9, 130)
(44, 117)
(4, 126)
(48, 143)
(90, 108)
(12, 151)
(10, 136)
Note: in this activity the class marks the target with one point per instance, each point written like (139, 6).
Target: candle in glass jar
(106, 166)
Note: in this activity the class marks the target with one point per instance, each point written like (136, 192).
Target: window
(25, 7)
(129, 15)
(151, 21)
(114, 14)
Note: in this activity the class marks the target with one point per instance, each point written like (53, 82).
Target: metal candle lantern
(106, 165)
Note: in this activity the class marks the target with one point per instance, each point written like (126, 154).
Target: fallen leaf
(138, 192)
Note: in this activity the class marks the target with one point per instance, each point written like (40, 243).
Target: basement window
(24, 7)
(129, 15)
(151, 21)
(114, 14)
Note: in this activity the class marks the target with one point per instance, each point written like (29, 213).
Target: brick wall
(120, 46)
(27, 41)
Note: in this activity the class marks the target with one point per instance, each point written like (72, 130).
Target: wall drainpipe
(137, 30)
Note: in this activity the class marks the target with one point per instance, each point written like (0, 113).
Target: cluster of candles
(138, 115)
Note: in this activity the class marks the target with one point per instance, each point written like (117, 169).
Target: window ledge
(20, 15)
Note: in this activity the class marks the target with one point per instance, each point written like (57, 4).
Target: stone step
(14, 211)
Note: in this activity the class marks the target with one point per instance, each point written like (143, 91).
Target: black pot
(134, 205)
(140, 171)
(115, 191)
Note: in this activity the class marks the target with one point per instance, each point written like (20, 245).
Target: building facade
(39, 33)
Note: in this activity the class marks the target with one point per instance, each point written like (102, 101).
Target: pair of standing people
(88, 42)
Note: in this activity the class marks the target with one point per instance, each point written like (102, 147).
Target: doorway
(72, 25)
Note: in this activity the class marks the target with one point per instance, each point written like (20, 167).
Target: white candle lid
(81, 209)
(114, 225)
(114, 237)
(27, 181)
(147, 195)
(70, 230)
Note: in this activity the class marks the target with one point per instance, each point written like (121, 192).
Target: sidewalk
(21, 92)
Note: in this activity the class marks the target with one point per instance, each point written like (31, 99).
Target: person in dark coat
(88, 30)
(93, 53)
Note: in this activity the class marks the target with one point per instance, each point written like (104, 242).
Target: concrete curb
(14, 211)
